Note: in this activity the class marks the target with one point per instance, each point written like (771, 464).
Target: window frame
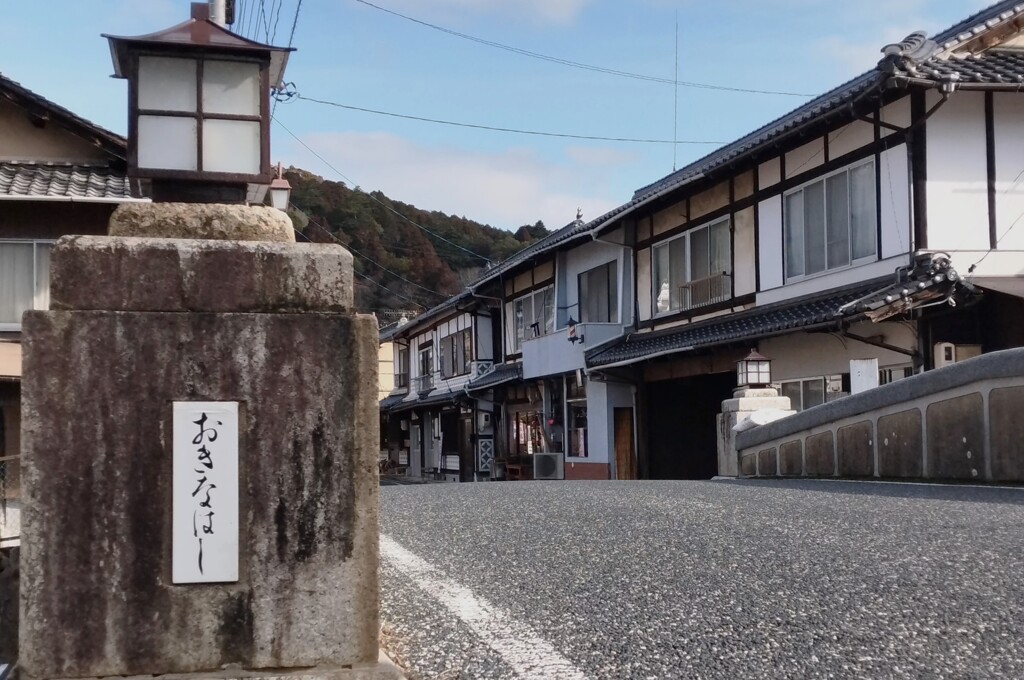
(823, 180)
(455, 346)
(425, 379)
(35, 243)
(402, 366)
(611, 307)
(688, 262)
(521, 332)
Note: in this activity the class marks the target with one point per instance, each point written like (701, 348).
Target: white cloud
(540, 11)
(505, 189)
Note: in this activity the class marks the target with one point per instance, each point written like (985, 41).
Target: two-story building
(841, 231)
(879, 222)
(59, 174)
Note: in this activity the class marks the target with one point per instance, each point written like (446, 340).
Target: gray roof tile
(72, 181)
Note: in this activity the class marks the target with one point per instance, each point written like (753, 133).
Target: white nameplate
(205, 492)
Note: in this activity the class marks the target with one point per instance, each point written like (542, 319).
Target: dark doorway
(682, 433)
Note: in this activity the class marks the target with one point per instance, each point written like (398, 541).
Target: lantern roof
(755, 356)
(201, 33)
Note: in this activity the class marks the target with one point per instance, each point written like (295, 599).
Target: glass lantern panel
(741, 373)
(231, 87)
(231, 146)
(764, 374)
(167, 84)
(167, 143)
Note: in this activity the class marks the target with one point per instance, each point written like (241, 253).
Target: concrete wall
(956, 423)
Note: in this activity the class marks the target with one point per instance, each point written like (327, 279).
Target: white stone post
(745, 403)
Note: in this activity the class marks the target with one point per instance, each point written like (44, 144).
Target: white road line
(529, 655)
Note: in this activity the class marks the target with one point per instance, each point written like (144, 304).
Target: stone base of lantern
(745, 402)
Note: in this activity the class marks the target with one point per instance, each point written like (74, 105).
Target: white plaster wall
(744, 258)
(22, 141)
(830, 280)
(957, 175)
(483, 335)
(897, 113)
(602, 399)
(894, 200)
(769, 216)
(805, 158)
(808, 355)
(644, 301)
(769, 173)
(10, 524)
(1008, 121)
(842, 141)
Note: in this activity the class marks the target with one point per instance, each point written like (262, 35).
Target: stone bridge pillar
(260, 337)
(746, 402)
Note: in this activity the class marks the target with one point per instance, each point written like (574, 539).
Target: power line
(377, 200)
(577, 64)
(266, 25)
(367, 258)
(277, 18)
(295, 21)
(502, 129)
(398, 295)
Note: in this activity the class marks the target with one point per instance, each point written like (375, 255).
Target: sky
(358, 55)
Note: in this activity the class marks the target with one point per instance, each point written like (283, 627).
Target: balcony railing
(424, 382)
(703, 292)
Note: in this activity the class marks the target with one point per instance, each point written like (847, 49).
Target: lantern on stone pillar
(280, 191)
(198, 109)
(754, 371)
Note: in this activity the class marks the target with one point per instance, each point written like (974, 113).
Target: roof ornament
(579, 214)
(905, 56)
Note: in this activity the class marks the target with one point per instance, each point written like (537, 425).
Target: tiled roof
(832, 101)
(391, 401)
(71, 181)
(754, 324)
(502, 373)
(111, 142)
(992, 67)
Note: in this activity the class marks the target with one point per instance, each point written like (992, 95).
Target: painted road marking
(529, 655)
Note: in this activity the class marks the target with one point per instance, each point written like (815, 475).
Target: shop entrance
(682, 439)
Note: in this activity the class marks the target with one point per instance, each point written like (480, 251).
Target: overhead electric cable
(492, 128)
(277, 18)
(377, 200)
(348, 246)
(580, 65)
(291, 37)
(266, 24)
(381, 285)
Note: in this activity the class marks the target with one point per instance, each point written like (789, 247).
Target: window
(402, 368)
(456, 353)
(693, 269)
(803, 394)
(24, 280)
(426, 375)
(831, 223)
(894, 373)
(599, 294)
(534, 315)
(214, 127)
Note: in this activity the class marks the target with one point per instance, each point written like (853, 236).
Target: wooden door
(625, 453)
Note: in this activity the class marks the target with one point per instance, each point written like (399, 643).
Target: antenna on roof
(675, 111)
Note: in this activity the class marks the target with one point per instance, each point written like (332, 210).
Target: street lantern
(198, 108)
(280, 191)
(754, 371)
(571, 335)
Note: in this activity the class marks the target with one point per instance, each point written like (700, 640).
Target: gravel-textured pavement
(716, 579)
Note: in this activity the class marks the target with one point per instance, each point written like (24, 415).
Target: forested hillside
(398, 265)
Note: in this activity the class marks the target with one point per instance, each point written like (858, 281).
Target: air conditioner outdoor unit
(946, 353)
(548, 466)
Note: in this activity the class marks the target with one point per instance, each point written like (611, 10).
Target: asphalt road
(703, 580)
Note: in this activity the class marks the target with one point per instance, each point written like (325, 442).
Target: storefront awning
(501, 374)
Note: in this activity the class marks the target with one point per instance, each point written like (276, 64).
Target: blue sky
(353, 54)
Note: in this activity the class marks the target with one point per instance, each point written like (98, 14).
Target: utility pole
(219, 12)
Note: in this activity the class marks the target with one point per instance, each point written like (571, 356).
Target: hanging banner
(205, 492)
